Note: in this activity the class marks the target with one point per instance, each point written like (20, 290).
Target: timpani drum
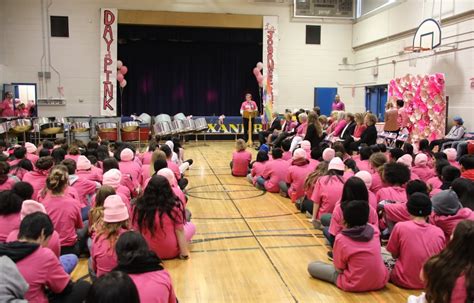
(107, 131)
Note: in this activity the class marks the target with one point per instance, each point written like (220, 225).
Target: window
(59, 26)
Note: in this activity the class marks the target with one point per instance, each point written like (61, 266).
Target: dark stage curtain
(196, 71)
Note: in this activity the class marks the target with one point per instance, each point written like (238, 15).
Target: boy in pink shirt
(296, 175)
(38, 265)
(37, 177)
(258, 167)
(287, 154)
(10, 207)
(421, 168)
(363, 161)
(328, 190)
(358, 264)
(240, 159)
(413, 242)
(115, 223)
(275, 171)
(448, 212)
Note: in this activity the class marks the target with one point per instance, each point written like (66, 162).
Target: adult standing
(275, 124)
(338, 104)
(402, 115)
(247, 106)
(6, 107)
(391, 119)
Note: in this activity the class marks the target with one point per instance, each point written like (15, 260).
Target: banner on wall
(108, 61)
(270, 65)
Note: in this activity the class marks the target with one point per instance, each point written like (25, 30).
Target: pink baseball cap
(406, 159)
(114, 209)
(168, 174)
(337, 164)
(421, 159)
(305, 145)
(30, 148)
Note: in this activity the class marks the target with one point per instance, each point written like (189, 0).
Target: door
(323, 97)
(375, 100)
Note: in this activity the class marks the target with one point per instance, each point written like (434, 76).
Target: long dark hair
(335, 173)
(457, 259)
(424, 147)
(354, 189)
(157, 198)
(4, 169)
(114, 287)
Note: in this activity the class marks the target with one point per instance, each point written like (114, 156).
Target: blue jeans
(261, 182)
(328, 236)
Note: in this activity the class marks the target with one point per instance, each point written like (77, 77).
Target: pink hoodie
(327, 191)
(257, 170)
(132, 169)
(240, 163)
(37, 179)
(296, 176)
(83, 187)
(8, 184)
(274, 172)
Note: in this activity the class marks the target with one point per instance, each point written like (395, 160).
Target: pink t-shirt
(377, 183)
(313, 164)
(275, 171)
(361, 264)
(146, 158)
(132, 169)
(296, 175)
(65, 213)
(84, 188)
(42, 269)
(372, 200)
(364, 165)
(413, 243)
(257, 170)
(37, 179)
(459, 293)
(33, 158)
(396, 212)
(54, 244)
(337, 219)
(164, 241)
(145, 173)
(104, 258)
(434, 182)
(449, 223)
(392, 193)
(455, 164)
(301, 130)
(7, 224)
(7, 107)
(423, 172)
(287, 156)
(175, 169)
(327, 191)
(240, 163)
(8, 184)
(154, 287)
(94, 174)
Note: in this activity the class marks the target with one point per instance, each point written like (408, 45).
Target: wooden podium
(249, 114)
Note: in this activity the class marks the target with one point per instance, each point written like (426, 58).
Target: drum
(49, 126)
(145, 118)
(130, 126)
(130, 135)
(163, 118)
(79, 127)
(177, 127)
(107, 131)
(179, 116)
(189, 125)
(4, 127)
(144, 132)
(20, 125)
(200, 124)
(162, 129)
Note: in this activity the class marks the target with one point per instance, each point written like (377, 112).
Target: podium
(247, 114)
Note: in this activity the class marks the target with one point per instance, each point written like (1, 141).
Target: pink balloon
(119, 64)
(123, 70)
(120, 77)
(123, 83)
(256, 72)
(259, 78)
(260, 66)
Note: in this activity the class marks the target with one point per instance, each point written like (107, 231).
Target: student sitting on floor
(448, 275)
(114, 287)
(467, 166)
(258, 166)
(128, 166)
(363, 162)
(145, 268)
(367, 178)
(182, 181)
(10, 208)
(421, 168)
(434, 183)
(451, 155)
(377, 162)
(285, 145)
(38, 264)
(275, 171)
(241, 159)
(328, 191)
(305, 205)
(358, 264)
(300, 168)
(37, 177)
(413, 242)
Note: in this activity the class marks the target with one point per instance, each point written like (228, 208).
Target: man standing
(338, 104)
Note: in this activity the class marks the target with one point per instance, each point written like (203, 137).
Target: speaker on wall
(59, 26)
(313, 34)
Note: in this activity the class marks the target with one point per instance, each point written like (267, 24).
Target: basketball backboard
(428, 35)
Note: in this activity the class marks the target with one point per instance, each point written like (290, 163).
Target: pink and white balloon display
(425, 104)
(121, 71)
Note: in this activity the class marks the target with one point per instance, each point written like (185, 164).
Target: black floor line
(254, 236)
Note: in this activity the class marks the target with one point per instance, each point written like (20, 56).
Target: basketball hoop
(413, 54)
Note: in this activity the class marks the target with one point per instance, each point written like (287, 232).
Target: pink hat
(421, 159)
(112, 178)
(168, 174)
(337, 164)
(127, 155)
(83, 163)
(114, 209)
(451, 153)
(329, 154)
(29, 207)
(299, 153)
(406, 159)
(305, 145)
(366, 177)
(30, 148)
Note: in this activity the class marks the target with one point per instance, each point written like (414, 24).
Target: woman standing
(6, 107)
(248, 105)
(391, 118)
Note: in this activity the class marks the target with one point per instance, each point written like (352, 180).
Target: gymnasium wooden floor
(250, 246)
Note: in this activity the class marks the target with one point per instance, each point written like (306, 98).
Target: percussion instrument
(163, 118)
(162, 129)
(201, 124)
(144, 131)
(130, 126)
(107, 130)
(145, 118)
(177, 126)
(179, 116)
(189, 125)
(20, 125)
(79, 127)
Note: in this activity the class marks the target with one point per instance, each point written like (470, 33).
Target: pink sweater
(257, 170)
(275, 171)
(240, 163)
(327, 192)
(295, 177)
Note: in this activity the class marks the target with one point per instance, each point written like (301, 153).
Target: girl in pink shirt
(115, 222)
(130, 167)
(297, 173)
(305, 204)
(6, 183)
(96, 213)
(85, 188)
(274, 172)
(413, 242)
(358, 264)
(126, 181)
(421, 168)
(328, 190)
(64, 211)
(435, 183)
(113, 178)
(116, 286)
(10, 207)
(447, 275)
(377, 161)
(240, 159)
(363, 161)
(37, 177)
(258, 167)
(160, 217)
(145, 269)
